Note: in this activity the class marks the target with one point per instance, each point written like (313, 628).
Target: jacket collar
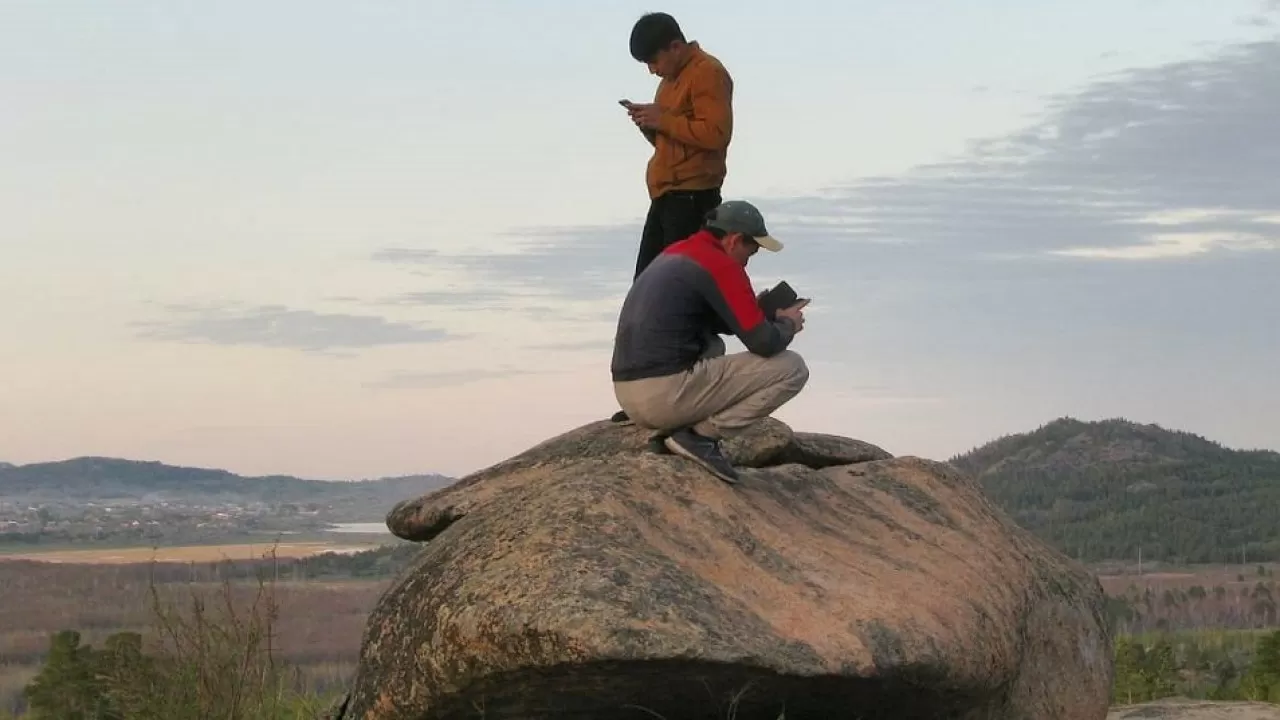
(695, 53)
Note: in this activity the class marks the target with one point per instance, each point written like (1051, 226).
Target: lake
(362, 528)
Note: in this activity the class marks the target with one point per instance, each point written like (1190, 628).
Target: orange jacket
(692, 140)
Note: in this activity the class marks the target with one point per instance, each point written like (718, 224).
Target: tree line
(1247, 605)
(1214, 665)
(224, 667)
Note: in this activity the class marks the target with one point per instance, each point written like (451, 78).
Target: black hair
(652, 33)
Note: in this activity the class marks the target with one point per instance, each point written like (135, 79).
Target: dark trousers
(673, 216)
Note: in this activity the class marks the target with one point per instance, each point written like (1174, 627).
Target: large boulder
(590, 577)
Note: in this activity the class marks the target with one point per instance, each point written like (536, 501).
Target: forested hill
(97, 478)
(1099, 490)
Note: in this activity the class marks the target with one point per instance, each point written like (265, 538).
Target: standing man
(689, 125)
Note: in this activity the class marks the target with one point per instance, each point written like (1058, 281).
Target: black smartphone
(625, 103)
(778, 297)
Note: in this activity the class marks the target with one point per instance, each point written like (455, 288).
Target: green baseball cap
(740, 216)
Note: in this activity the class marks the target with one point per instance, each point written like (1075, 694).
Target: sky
(350, 240)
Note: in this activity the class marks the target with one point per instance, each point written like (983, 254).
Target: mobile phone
(778, 297)
(625, 103)
(782, 295)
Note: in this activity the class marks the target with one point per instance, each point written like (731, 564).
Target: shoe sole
(678, 449)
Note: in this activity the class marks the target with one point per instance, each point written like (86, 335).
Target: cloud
(1100, 257)
(555, 263)
(1265, 15)
(442, 378)
(1174, 245)
(1190, 143)
(281, 327)
(884, 396)
(604, 342)
(1181, 137)
(455, 298)
(530, 304)
(405, 255)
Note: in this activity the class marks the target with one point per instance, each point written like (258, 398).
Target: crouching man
(670, 371)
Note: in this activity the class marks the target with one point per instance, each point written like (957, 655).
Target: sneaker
(658, 445)
(703, 450)
(621, 418)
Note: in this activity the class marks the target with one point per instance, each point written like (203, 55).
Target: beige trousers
(719, 396)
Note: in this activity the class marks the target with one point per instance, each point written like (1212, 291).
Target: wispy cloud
(1183, 136)
(603, 342)
(558, 263)
(1190, 143)
(479, 300)
(281, 327)
(442, 378)
(475, 297)
(1176, 245)
(405, 255)
(1123, 242)
(1265, 17)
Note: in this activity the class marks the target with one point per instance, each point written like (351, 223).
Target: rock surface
(818, 451)
(589, 578)
(1184, 709)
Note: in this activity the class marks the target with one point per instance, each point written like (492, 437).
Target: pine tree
(66, 687)
(1262, 682)
(1162, 670)
(1131, 683)
(130, 679)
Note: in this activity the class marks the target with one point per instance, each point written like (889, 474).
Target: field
(98, 592)
(318, 631)
(187, 553)
(1235, 597)
(1116, 579)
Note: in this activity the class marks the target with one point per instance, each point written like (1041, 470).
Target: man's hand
(649, 133)
(795, 314)
(645, 116)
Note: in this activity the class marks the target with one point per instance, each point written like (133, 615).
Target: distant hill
(89, 479)
(1099, 490)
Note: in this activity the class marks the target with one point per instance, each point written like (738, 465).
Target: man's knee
(795, 372)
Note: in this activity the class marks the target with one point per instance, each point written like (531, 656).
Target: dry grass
(1116, 581)
(13, 678)
(318, 630)
(187, 553)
